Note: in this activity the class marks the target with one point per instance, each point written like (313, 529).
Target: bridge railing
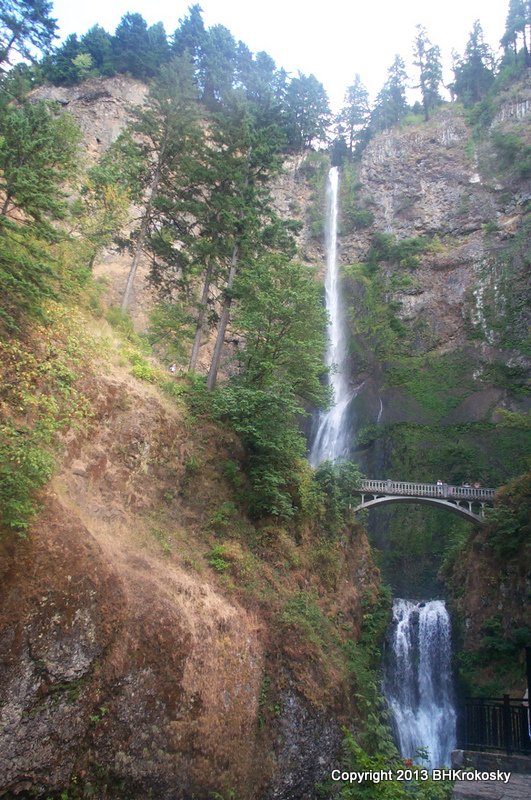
(413, 489)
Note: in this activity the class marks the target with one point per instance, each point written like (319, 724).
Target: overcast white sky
(333, 39)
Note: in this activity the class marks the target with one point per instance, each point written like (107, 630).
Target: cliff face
(437, 280)
(465, 290)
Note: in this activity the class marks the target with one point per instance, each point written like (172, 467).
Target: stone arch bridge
(467, 501)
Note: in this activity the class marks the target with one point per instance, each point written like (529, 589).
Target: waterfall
(331, 441)
(418, 682)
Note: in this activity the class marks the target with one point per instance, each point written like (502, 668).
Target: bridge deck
(410, 489)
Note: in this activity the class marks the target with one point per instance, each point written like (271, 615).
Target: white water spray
(418, 680)
(331, 441)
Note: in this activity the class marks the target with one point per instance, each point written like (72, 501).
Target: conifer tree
(98, 44)
(190, 36)
(167, 131)
(355, 112)
(474, 72)
(38, 152)
(518, 25)
(391, 103)
(131, 47)
(307, 111)
(427, 58)
(25, 27)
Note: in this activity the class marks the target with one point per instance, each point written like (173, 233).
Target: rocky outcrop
(100, 106)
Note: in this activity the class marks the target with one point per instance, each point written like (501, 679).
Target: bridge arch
(454, 508)
(466, 501)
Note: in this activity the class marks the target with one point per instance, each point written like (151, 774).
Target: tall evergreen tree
(391, 103)
(427, 58)
(307, 111)
(25, 27)
(60, 66)
(517, 27)
(248, 155)
(166, 130)
(131, 47)
(38, 152)
(159, 49)
(190, 36)
(355, 112)
(98, 44)
(217, 66)
(474, 72)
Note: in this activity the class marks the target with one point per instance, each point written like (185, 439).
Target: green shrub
(217, 558)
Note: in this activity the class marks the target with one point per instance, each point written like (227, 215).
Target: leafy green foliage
(282, 322)
(474, 73)
(502, 648)
(513, 152)
(391, 103)
(38, 152)
(509, 525)
(266, 421)
(357, 759)
(354, 215)
(38, 398)
(308, 111)
(336, 482)
(406, 252)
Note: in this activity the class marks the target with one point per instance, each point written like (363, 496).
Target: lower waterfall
(418, 680)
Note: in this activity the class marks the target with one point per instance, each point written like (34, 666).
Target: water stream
(418, 680)
(417, 671)
(331, 440)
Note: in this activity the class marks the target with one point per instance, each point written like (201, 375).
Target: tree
(190, 36)
(307, 110)
(281, 320)
(517, 25)
(474, 72)
(391, 103)
(131, 47)
(98, 44)
(59, 67)
(355, 112)
(38, 152)
(166, 133)
(427, 58)
(217, 66)
(159, 49)
(248, 155)
(25, 26)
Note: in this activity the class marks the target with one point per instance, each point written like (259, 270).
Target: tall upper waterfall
(418, 680)
(331, 440)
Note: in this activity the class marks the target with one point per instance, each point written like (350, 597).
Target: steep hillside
(154, 639)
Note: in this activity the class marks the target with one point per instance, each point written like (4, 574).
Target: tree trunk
(140, 243)
(218, 347)
(5, 206)
(201, 318)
